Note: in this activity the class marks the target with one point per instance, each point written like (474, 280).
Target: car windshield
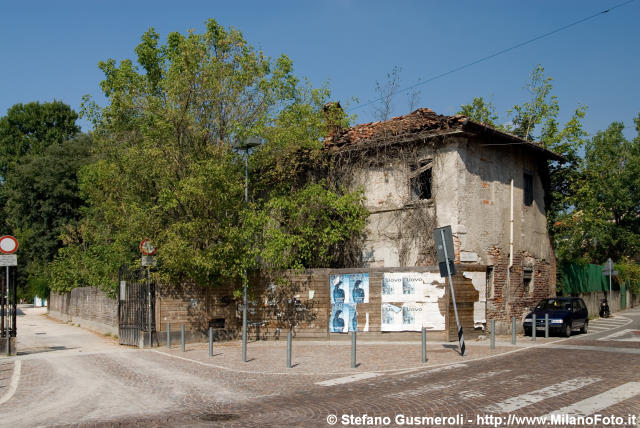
(552, 305)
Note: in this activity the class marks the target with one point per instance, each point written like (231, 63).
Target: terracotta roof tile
(417, 121)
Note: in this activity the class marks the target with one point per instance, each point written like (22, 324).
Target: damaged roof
(424, 123)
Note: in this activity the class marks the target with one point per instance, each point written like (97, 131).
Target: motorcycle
(604, 309)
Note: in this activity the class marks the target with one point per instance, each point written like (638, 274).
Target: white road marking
(347, 379)
(620, 333)
(445, 385)
(13, 385)
(610, 349)
(606, 323)
(524, 400)
(599, 402)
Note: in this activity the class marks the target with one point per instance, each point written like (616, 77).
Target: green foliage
(308, 227)
(39, 194)
(605, 221)
(537, 120)
(481, 111)
(28, 129)
(541, 109)
(629, 273)
(42, 196)
(166, 168)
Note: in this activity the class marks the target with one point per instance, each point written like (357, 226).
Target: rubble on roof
(420, 120)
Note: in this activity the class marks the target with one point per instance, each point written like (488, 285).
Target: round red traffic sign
(147, 248)
(8, 244)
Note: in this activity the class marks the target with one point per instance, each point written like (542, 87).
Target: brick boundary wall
(195, 307)
(592, 300)
(87, 306)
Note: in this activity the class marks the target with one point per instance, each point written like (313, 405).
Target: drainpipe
(508, 294)
(511, 229)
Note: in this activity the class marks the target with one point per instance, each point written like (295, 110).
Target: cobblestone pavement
(108, 385)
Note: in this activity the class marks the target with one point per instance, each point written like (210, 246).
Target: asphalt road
(65, 375)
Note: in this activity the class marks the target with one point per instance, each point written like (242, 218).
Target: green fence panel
(576, 278)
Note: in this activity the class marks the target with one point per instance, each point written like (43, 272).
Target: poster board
(346, 291)
(410, 301)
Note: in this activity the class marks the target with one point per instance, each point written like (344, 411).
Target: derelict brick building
(425, 170)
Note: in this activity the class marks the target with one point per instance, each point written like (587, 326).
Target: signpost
(607, 270)
(148, 251)
(444, 248)
(8, 246)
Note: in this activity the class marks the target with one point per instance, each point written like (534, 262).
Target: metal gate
(136, 308)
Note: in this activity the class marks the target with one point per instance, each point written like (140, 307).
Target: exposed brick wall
(87, 306)
(510, 299)
(196, 307)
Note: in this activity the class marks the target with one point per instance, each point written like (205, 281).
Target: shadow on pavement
(41, 350)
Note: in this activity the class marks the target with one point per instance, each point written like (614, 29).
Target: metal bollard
(546, 326)
(353, 349)
(182, 336)
(513, 330)
(533, 328)
(289, 340)
(493, 334)
(424, 345)
(169, 335)
(211, 341)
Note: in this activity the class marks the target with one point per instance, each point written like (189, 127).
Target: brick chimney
(334, 116)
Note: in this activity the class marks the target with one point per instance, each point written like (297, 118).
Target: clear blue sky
(50, 50)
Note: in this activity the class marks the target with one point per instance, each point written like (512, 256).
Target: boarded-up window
(421, 181)
(528, 189)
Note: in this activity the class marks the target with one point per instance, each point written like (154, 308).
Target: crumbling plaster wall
(473, 184)
(394, 235)
(471, 191)
(477, 205)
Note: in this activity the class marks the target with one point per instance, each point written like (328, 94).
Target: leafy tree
(42, 198)
(481, 111)
(31, 128)
(605, 221)
(167, 168)
(538, 110)
(537, 120)
(38, 186)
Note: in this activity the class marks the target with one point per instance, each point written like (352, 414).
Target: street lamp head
(247, 144)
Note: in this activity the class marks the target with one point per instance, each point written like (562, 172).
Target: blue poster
(339, 289)
(343, 318)
(346, 292)
(359, 287)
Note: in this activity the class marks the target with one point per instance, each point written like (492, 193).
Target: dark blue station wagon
(565, 315)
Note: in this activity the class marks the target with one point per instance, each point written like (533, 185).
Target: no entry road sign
(8, 244)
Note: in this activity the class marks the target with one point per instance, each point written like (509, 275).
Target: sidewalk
(334, 357)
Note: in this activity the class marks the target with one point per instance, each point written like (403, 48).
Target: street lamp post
(248, 144)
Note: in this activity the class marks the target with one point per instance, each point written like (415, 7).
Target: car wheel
(527, 332)
(585, 328)
(567, 330)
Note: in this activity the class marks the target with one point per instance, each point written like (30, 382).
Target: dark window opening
(490, 289)
(421, 182)
(527, 279)
(528, 189)
(217, 323)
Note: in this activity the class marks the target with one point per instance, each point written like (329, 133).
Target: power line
(495, 54)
